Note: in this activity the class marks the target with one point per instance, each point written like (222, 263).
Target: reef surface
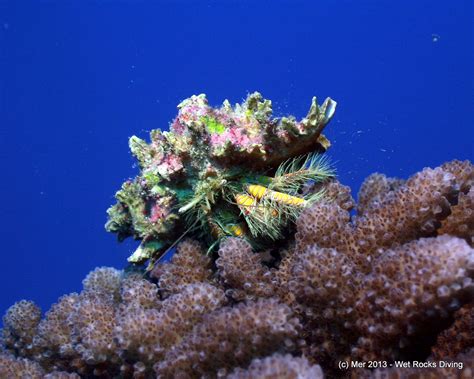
(346, 290)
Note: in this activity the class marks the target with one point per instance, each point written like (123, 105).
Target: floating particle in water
(435, 37)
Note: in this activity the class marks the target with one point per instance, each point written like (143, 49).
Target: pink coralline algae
(236, 137)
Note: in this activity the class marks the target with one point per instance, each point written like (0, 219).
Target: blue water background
(77, 78)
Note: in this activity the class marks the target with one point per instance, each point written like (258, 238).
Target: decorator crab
(228, 171)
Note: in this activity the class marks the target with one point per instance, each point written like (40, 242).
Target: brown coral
(279, 366)
(232, 337)
(242, 272)
(374, 188)
(188, 265)
(138, 292)
(338, 193)
(408, 287)
(283, 275)
(61, 375)
(457, 338)
(93, 323)
(413, 210)
(12, 367)
(146, 334)
(55, 331)
(349, 313)
(324, 282)
(325, 224)
(104, 280)
(335, 192)
(463, 172)
(20, 326)
(461, 221)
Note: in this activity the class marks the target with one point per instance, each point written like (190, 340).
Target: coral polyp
(218, 172)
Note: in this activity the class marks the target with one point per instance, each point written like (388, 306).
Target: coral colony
(277, 273)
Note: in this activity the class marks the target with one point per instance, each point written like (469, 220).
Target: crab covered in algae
(228, 171)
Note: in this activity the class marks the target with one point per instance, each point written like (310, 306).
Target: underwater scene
(237, 189)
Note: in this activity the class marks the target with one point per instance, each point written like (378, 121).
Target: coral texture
(188, 265)
(103, 280)
(20, 323)
(241, 271)
(412, 210)
(231, 337)
(12, 367)
(458, 337)
(374, 188)
(461, 221)
(147, 334)
(396, 303)
(279, 366)
(393, 282)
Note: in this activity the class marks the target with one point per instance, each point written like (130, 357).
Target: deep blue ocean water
(77, 78)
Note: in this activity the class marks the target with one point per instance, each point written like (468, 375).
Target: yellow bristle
(236, 230)
(287, 199)
(259, 192)
(244, 200)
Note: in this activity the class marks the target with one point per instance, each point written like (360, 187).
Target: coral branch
(242, 272)
(231, 337)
